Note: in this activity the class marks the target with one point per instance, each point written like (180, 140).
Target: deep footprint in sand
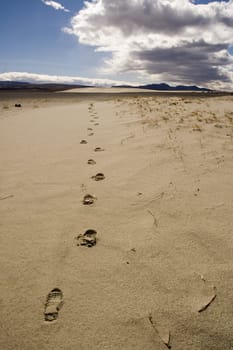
(89, 129)
(98, 177)
(99, 149)
(83, 142)
(88, 199)
(88, 239)
(91, 161)
(54, 302)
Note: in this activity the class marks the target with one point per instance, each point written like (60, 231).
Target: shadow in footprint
(88, 199)
(96, 124)
(91, 134)
(89, 129)
(54, 302)
(99, 149)
(91, 161)
(87, 239)
(98, 177)
(83, 142)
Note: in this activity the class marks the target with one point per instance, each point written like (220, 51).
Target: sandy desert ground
(156, 271)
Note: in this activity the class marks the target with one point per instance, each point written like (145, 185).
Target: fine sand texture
(116, 222)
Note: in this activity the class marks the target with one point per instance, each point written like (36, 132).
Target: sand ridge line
(211, 299)
(204, 307)
(6, 197)
(155, 220)
(164, 333)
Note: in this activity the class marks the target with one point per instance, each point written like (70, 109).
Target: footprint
(83, 188)
(83, 142)
(91, 161)
(87, 239)
(88, 199)
(96, 124)
(99, 149)
(98, 177)
(91, 134)
(89, 129)
(53, 304)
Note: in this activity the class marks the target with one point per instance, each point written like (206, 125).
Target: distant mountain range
(166, 87)
(16, 85)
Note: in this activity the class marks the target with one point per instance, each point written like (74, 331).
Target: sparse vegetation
(196, 127)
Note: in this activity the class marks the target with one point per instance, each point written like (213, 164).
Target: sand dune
(110, 90)
(139, 259)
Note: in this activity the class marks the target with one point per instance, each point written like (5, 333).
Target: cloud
(56, 5)
(43, 78)
(173, 40)
(197, 58)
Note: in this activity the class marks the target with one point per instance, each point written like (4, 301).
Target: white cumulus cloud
(56, 5)
(44, 78)
(161, 40)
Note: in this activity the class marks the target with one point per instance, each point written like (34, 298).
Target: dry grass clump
(196, 127)
(212, 119)
(150, 122)
(229, 116)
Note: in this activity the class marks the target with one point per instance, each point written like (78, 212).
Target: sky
(107, 42)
